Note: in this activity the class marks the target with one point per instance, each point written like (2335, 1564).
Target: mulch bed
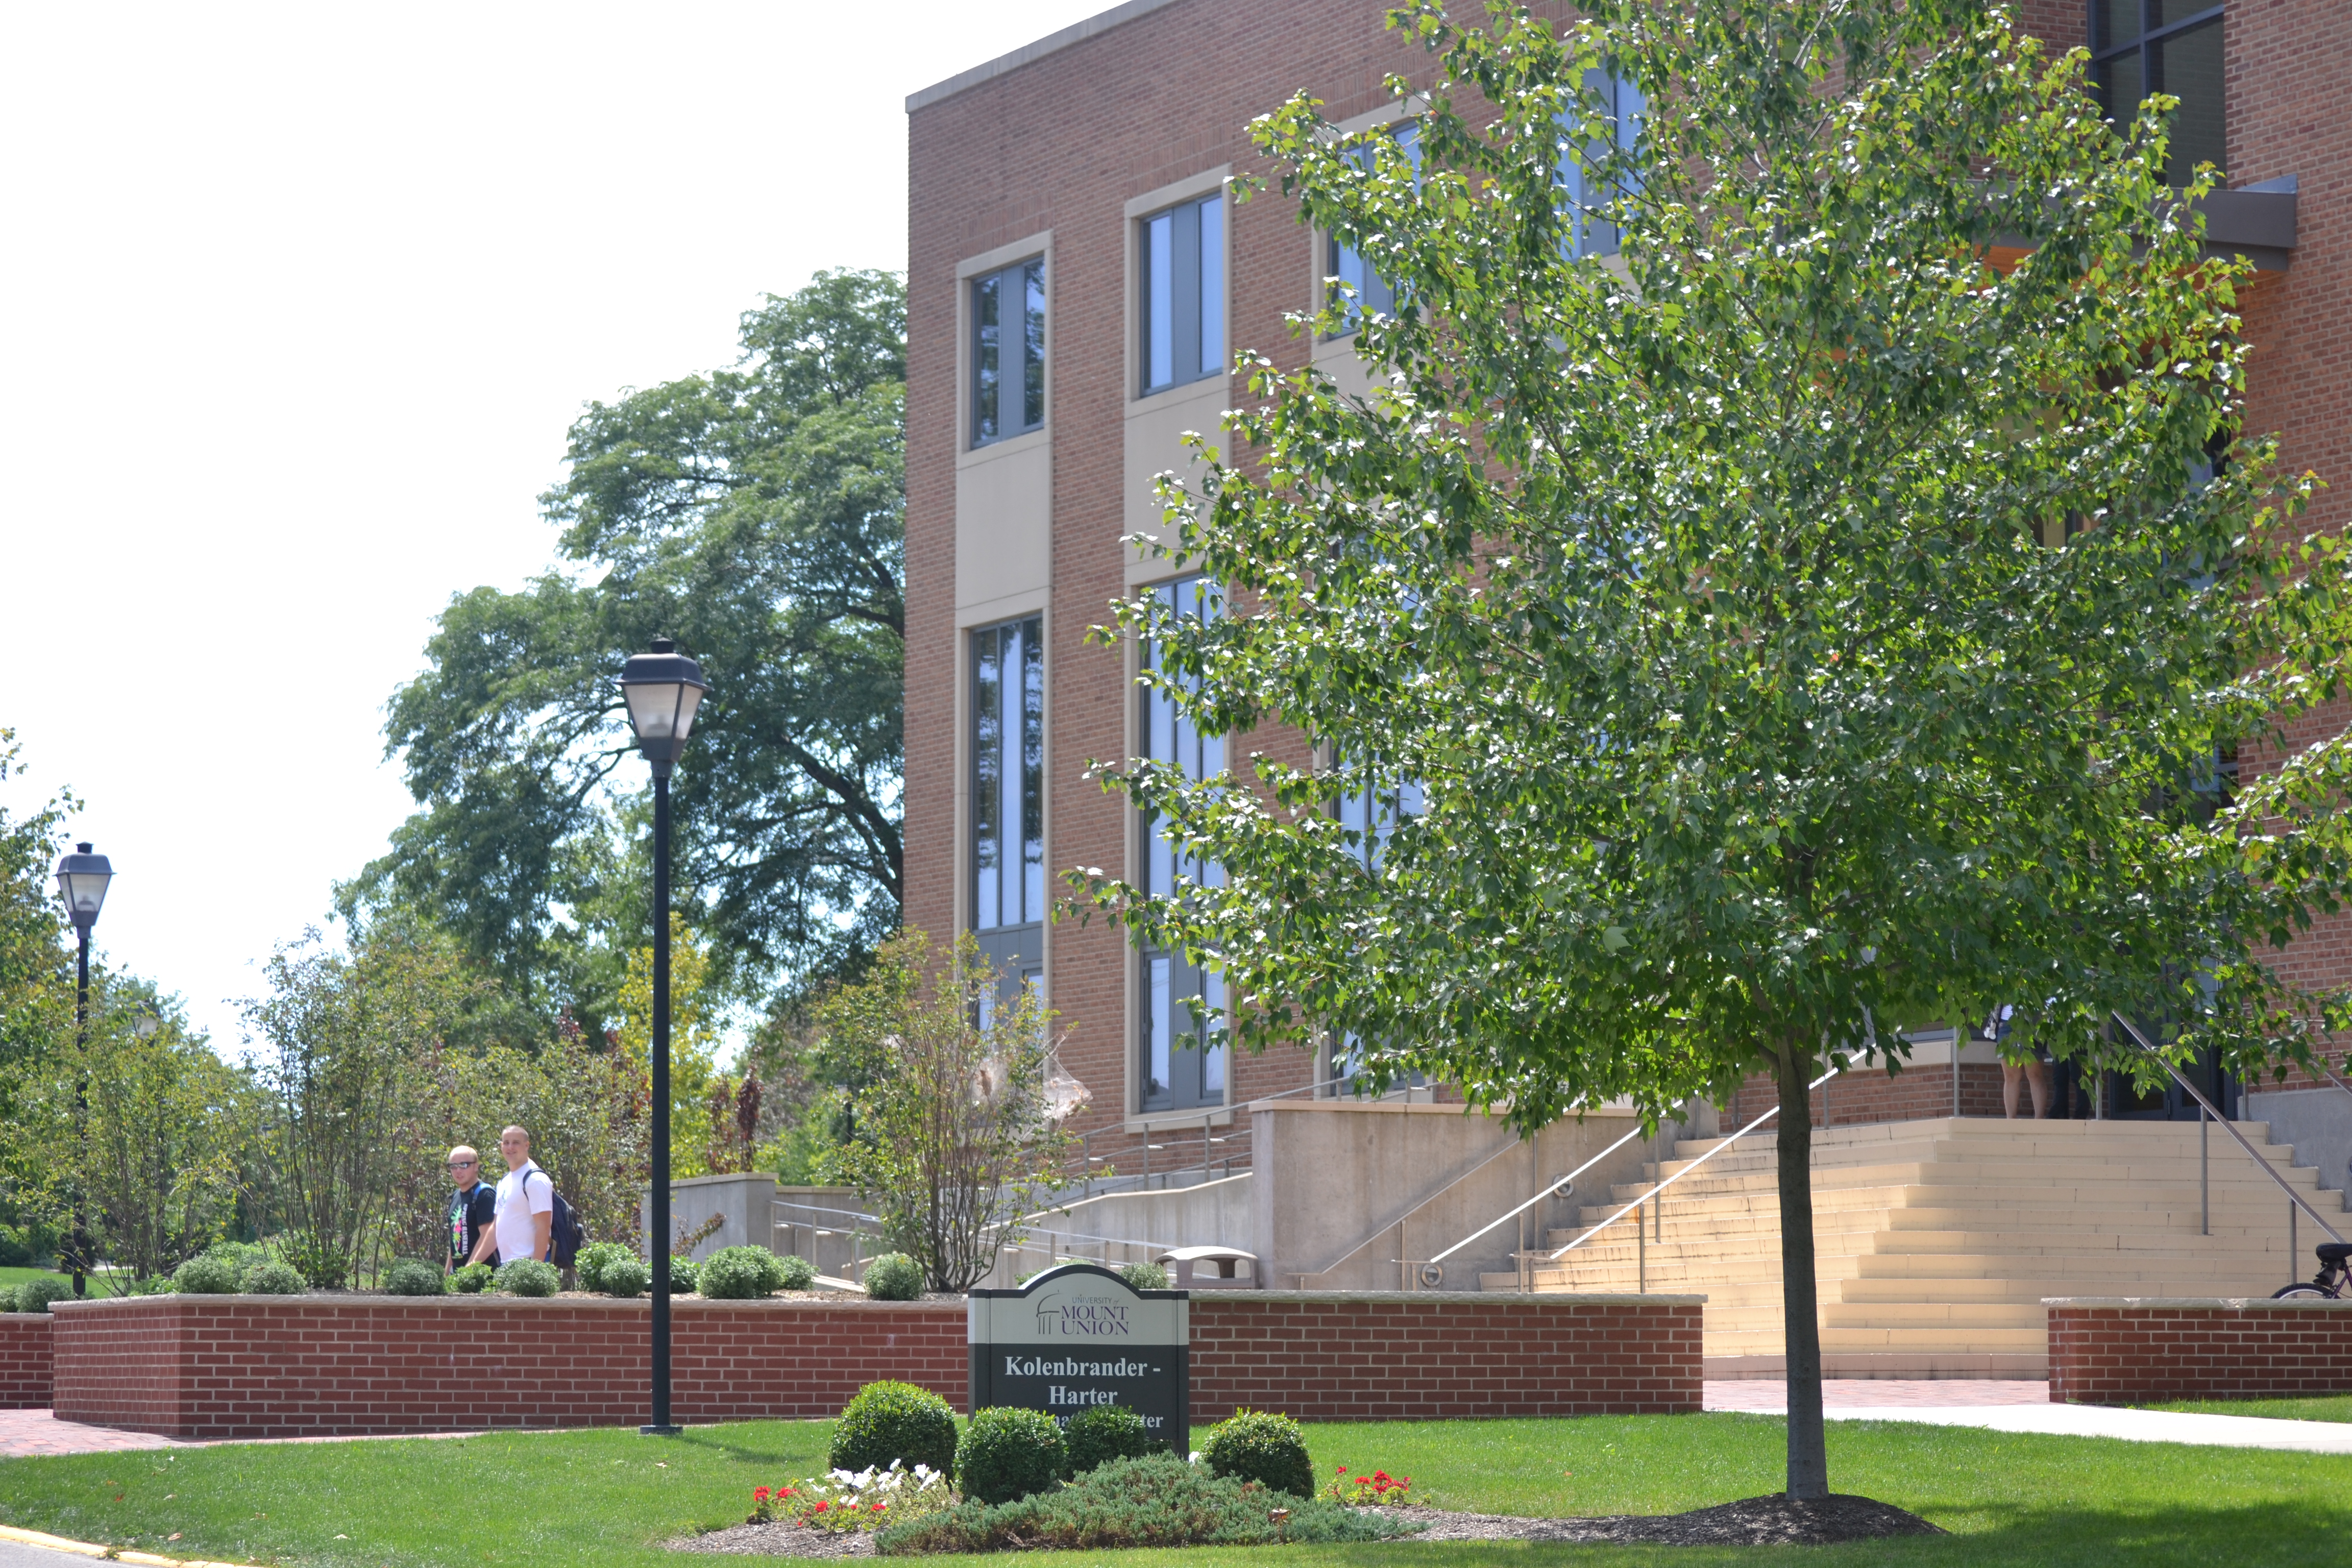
(1769, 1521)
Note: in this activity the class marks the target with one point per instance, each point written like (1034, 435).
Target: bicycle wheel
(2294, 1292)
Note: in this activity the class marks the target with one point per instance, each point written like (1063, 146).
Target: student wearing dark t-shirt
(473, 1207)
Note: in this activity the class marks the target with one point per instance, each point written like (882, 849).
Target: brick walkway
(1771, 1396)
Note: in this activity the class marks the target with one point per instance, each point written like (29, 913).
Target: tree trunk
(1809, 1465)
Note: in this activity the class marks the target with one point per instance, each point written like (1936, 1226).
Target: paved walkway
(1877, 1392)
(2000, 1407)
(24, 1433)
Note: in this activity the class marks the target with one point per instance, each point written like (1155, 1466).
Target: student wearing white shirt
(526, 1220)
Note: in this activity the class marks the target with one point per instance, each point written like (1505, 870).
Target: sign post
(1079, 1336)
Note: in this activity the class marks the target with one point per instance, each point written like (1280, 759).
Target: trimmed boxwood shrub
(1145, 1276)
(274, 1278)
(683, 1276)
(740, 1274)
(888, 1421)
(1105, 1433)
(595, 1259)
(799, 1273)
(472, 1279)
(1008, 1454)
(894, 1277)
(626, 1276)
(1159, 1500)
(409, 1277)
(35, 1295)
(207, 1275)
(1261, 1446)
(529, 1277)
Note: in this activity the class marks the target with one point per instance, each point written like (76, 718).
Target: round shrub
(624, 1276)
(889, 1421)
(683, 1276)
(1008, 1454)
(799, 1273)
(274, 1279)
(410, 1278)
(740, 1274)
(597, 1257)
(894, 1277)
(529, 1277)
(1261, 1446)
(35, 1295)
(1145, 1276)
(207, 1275)
(472, 1279)
(1105, 1433)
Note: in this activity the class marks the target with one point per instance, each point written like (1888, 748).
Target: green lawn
(2326, 1408)
(604, 1497)
(11, 1278)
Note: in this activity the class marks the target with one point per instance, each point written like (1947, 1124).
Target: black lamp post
(82, 878)
(663, 688)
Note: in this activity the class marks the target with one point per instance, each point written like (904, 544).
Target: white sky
(296, 304)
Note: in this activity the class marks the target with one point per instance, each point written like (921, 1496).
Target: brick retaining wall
(24, 1360)
(2140, 1351)
(269, 1366)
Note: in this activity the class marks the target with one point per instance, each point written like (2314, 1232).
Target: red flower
(821, 1507)
(759, 1494)
(1343, 1469)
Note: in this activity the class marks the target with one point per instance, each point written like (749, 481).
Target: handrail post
(2294, 1248)
(2204, 1182)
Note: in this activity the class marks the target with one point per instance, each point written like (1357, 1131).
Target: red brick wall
(24, 1360)
(1406, 1358)
(2132, 1353)
(1873, 1095)
(226, 1366)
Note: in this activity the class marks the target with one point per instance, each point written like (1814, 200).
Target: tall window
(1008, 795)
(1182, 1066)
(1008, 352)
(1184, 310)
(1374, 810)
(1588, 194)
(2139, 47)
(1373, 294)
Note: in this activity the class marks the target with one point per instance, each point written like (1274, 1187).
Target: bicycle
(2334, 1275)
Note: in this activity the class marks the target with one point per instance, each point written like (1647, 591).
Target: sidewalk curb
(86, 1549)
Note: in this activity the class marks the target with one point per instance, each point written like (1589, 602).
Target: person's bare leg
(2037, 1075)
(2010, 1073)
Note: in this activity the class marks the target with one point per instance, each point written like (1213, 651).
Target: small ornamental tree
(1823, 617)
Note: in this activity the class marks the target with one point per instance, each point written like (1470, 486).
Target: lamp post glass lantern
(82, 877)
(663, 688)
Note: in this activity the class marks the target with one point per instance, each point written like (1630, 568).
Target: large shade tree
(1825, 616)
(756, 515)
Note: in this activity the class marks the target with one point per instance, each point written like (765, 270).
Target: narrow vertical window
(1355, 282)
(1008, 795)
(1182, 1064)
(1008, 352)
(2140, 46)
(1588, 195)
(1183, 253)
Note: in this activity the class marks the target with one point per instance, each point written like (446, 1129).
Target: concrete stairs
(1936, 1241)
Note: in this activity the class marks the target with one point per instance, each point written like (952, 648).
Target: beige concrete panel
(1004, 519)
(1155, 444)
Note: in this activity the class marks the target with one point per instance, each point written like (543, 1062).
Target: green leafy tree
(36, 978)
(756, 515)
(956, 1136)
(167, 1127)
(1796, 627)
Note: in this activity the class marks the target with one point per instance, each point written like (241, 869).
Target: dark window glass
(1588, 194)
(1364, 291)
(1008, 352)
(1181, 1066)
(1183, 252)
(1008, 774)
(2139, 47)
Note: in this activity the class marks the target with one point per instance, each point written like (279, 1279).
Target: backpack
(564, 1236)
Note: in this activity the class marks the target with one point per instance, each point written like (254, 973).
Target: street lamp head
(663, 688)
(146, 1022)
(82, 878)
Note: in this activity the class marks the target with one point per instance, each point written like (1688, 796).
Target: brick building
(1077, 280)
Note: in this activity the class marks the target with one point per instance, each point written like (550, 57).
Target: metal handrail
(2228, 1126)
(1568, 1181)
(1412, 1209)
(1685, 1171)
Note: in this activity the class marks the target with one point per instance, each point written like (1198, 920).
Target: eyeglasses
(463, 1164)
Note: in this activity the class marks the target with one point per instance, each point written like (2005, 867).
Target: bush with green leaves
(624, 1277)
(1145, 1276)
(409, 1277)
(529, 1277)
(275, 1278)
(740, 1274)
(685, 1278)
(208, 1274)
(320, 1265)
(472, 1279)
(799, 1273)
(886, 1421)
(1157, 1501)
(1105, 1433)
(894, 1277)
(35, 1295)
(1261, 1446)
(599, 1256)
(1008, 1454)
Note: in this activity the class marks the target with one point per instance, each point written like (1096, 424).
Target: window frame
(1018, 881)
(1204, 312)
(1197, 1075)
(1374, 295)
(1030, 275)
(2105, 52)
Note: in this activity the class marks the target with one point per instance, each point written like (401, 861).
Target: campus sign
(1078, 1336)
